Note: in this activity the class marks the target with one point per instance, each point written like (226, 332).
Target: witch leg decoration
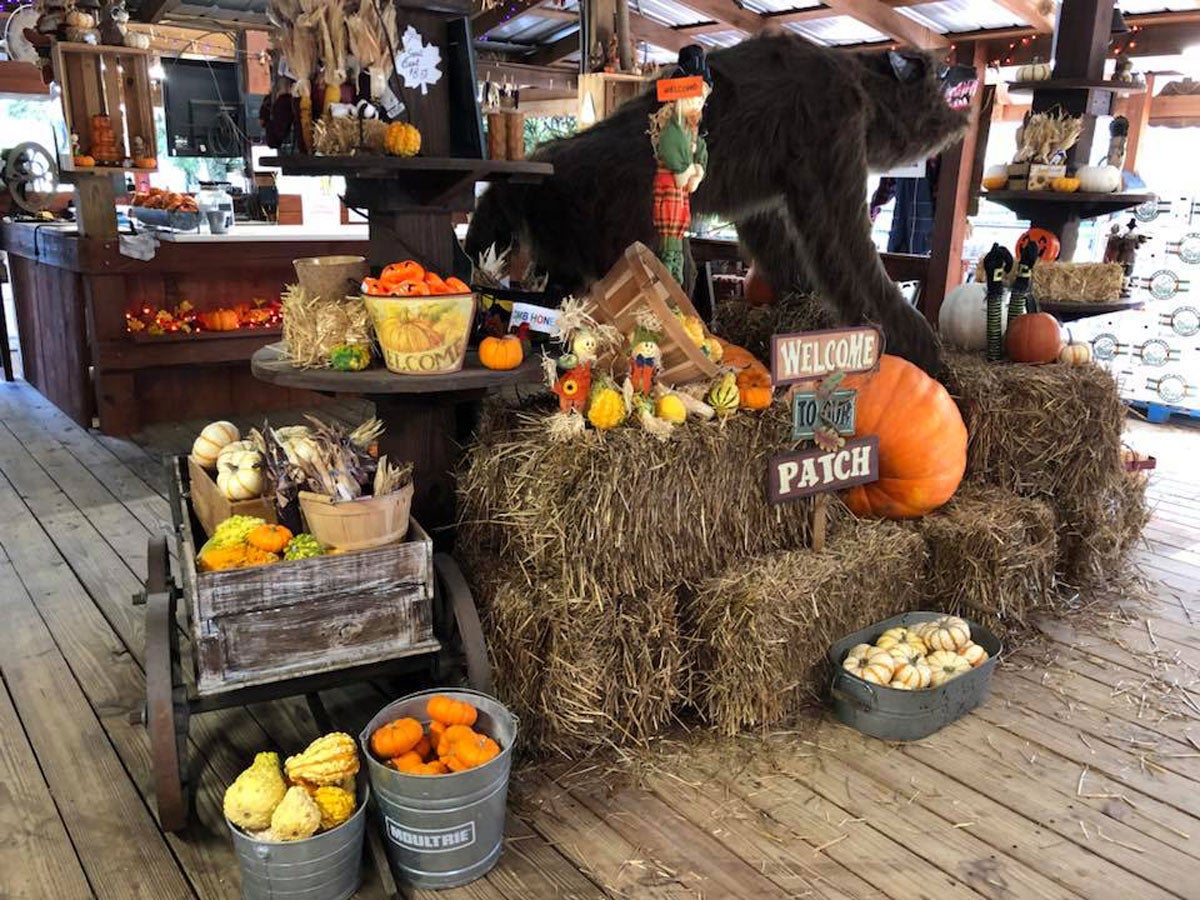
(996, 264)
(1022, 287)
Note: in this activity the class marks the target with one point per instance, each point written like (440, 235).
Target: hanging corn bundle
(331, 25)
(365, 31)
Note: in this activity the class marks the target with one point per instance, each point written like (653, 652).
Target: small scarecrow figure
(573, 387)
(682, 156)
(645, 356)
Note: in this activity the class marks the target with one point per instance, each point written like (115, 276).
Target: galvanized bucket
(443, 831)
(325, 866)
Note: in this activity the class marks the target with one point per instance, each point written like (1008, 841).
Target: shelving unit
(1034, 204)
(1076, 84)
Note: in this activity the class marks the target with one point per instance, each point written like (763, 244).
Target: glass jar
(216, 206)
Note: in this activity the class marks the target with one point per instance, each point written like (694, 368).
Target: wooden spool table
(427, 419)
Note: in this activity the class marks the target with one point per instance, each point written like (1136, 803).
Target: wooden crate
(304, 617)
(111, 81)
(212, 507)
(640, 281)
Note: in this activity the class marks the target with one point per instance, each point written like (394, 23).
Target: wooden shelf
(425, 166)
(1070, 312)
(186, 337)
(1075, 84)
(1027, 204)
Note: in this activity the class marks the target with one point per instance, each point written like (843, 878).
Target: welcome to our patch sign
(807, 472)
(813, 355)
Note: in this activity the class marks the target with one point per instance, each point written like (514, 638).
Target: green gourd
(350, 357)
(303, 546)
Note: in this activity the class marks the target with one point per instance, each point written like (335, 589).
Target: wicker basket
(640, 281)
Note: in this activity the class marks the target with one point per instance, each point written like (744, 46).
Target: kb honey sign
(815, 362)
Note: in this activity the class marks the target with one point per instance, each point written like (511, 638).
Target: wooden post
(96, 206)
(1138, 112)
(622, 29)
(820, 517)
(954, 193)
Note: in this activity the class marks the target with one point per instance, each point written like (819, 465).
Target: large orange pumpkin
(756, 289)
(922, 441)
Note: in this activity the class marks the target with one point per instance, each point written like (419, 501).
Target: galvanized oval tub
(443, 831)
(895, 715)
(326, 866)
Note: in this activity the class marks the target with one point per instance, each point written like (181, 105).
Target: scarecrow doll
(644, 359)
(680, 153)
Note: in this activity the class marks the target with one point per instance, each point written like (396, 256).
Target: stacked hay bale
(759, 631)
(578, 551)
(991, 556)
(1053, 433)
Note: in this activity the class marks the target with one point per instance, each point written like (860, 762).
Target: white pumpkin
(240, 475)
(962, 319)
(1099, 179)
(234, 447)
(212, 440)
(1035, 71)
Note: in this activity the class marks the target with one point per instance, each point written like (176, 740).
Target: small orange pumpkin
(452, 735)
(272, 538)
(756, 290)
(457, 285)
(501, 353)
(754, 388)
(449, 711)
(402, 271)
(397, 738)
(424, 747)
(220, 320)
(471, 752)
(1034, 338)
(436, 730)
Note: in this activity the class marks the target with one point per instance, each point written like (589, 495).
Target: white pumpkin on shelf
(212, 440)
(962, 319)
(239, 476)
(1099, 179)
(1034, 71)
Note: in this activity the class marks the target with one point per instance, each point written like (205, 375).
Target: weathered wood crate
(212, 507)
(304, 617)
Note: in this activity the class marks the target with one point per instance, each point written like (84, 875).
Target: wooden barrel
(638, 281)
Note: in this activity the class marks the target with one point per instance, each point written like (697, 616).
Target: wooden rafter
(727, 11)
(553, 52)
(483, 22)
(660, 35)
(885, 19)
(1038, 14)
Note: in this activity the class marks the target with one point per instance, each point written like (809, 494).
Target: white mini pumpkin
(1099, 179)
(1035, 71)
(896, 636)
(962, 319)
(973, 653)
(912, 676)
(240, 475)
(212, 440)
(946, 633)
(870, 663)
(945, 665)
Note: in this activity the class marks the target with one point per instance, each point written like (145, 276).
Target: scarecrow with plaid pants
(682, 156)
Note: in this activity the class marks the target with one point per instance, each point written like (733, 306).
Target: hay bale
(1053, 433)
(991, 556)
(758, 633)
(751, 326)
(1069, 282)
(583, 670)
(621, 510)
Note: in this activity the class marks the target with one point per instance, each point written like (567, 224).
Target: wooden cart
(266, 633)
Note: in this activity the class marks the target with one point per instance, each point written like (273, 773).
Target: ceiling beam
(527, 76)
(1039, 14)
(885, 19)
(484, 22)
(701, 28)
(552, 53)
(551, 12)
(727, 11)
(660, 35)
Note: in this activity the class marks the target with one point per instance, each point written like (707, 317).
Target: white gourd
(962, 319)
(210, 442)
(240, 475)
(973, 653)
(945, 665)
(234, 447)
(1099, 179)
(1037, 71)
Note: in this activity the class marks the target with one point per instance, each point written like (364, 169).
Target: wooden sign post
(825, 415)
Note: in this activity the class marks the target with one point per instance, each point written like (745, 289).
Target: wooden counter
(72, 293)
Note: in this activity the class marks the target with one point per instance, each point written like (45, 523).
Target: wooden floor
(1080, 777)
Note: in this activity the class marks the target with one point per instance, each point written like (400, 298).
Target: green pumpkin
(350, 357)
(302, 546)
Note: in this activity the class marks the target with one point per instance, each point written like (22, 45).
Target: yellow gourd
(326, 761)
(725, 397)
(670, 408)
(296, 817)
(402, 139)
(607, 409)
(1064, 184)
(255, 793)
(336, 806)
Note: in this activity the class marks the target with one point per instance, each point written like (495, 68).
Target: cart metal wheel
(166, 713)
(467, 633)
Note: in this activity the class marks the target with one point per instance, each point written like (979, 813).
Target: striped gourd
(945, 665)
(870, 663)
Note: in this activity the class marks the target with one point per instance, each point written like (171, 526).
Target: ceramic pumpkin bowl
(423, 335)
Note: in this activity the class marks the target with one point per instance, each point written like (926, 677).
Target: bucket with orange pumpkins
(422, 321)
